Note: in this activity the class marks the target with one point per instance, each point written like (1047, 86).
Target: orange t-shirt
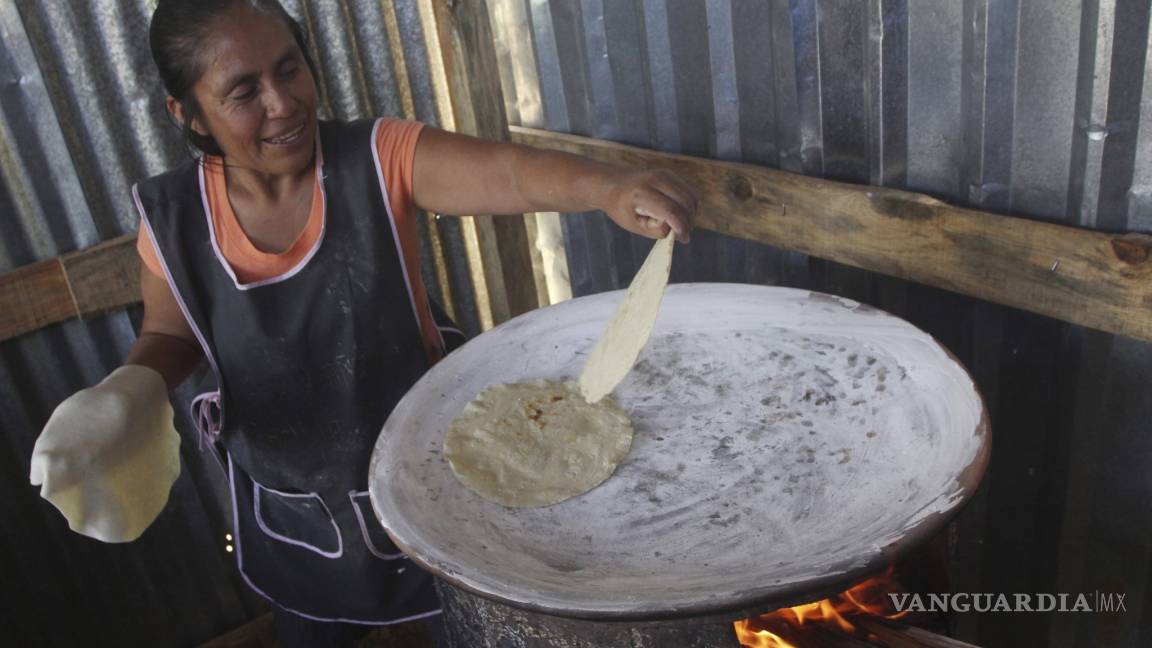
(396, 145)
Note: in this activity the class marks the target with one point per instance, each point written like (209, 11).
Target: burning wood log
(897, 635)
(857, 617)
(777, 633)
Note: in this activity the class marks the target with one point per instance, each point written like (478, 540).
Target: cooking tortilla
(630, 327)
(537, 443)
(540, 443)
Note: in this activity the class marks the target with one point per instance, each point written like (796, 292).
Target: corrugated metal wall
(1035, 107)
(81, 119)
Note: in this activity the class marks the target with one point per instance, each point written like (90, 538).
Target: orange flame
(758, 638)
(866, 598)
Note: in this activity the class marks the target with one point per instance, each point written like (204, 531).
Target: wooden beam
(80, 284)
(1085, 277)
(33, 297)
(1091, 278)
(499, 250)
(105, 276)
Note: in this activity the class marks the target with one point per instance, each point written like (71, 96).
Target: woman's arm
(456, 174)
(166, 342)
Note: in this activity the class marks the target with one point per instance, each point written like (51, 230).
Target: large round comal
(786, 443)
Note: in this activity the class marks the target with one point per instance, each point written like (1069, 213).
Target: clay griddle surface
(783, 439)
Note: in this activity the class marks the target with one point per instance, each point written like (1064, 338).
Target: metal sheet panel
(1126, 74)
(662, 75)
(81, 119)
(935, 82)
(1140, 194)
(1046, 84)
(1038, 108)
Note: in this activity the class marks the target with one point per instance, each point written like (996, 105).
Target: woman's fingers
(653, 227)
(656, 205)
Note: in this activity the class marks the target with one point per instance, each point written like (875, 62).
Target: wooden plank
(499, 247)
(104, 277)
(516, 63)
(1085, 277)
(33, 297)
(429, 22)
(80, 284)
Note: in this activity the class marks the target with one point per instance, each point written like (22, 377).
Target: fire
(866, 598)
(758, 638)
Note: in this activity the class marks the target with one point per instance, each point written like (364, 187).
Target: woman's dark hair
(176, 36)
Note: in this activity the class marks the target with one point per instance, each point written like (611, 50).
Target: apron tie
(206, 419)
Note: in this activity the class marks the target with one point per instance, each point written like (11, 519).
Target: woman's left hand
(652, 203)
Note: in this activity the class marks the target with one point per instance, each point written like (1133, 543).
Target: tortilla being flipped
(631, 325)
(536, 443)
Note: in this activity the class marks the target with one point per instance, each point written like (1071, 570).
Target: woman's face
(257, 96)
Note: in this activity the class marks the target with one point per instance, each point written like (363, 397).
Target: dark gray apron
(308, 366)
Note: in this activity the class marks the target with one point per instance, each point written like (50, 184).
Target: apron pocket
(300, 519)
(377, 540)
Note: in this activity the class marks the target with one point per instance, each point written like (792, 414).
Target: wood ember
(882, 632)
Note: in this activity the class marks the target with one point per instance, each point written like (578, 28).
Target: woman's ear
(176, 109)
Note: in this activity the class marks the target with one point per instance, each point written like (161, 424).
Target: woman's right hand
(653, 204)
(109, 454)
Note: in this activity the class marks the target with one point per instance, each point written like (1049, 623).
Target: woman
(287, 257)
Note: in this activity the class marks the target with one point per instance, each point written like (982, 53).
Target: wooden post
(467, 78)
(408, 105)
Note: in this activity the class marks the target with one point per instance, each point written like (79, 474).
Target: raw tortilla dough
(108, 456)
(536, 443)
(626, 334)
